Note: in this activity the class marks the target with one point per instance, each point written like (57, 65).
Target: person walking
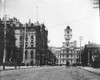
(67, 64)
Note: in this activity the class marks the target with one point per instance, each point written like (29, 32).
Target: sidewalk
(13, 67)
(93, 70)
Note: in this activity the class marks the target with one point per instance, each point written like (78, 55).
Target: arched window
(31, 37)
(32, 54)
(26, 54)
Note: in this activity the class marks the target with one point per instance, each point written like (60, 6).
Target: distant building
(69, 51)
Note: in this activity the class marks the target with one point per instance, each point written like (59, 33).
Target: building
(7, 39)
(91, 55)
(69, 50)
(32, 39)
(27, 41)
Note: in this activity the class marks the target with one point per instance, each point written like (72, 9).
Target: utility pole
(80, 38)
(37, 15)
(0, 8)
(5, 27)
(24, 37)
(88, 58)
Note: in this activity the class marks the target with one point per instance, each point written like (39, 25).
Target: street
(49, 73)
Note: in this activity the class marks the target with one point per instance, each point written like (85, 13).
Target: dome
(68, 27)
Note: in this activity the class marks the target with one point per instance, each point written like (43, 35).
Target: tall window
(26, 54)
(32, 54)
(25, 46)
(26, 39)
(20, 38)
(31, 37)
(31, 45)
(31, 41)
(20, 46)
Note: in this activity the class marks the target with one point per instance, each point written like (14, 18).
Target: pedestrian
(32, 63)
(67, 64)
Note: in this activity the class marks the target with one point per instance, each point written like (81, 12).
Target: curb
(18, 68)
(90, 71)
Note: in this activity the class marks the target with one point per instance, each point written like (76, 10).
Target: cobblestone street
(49, 73)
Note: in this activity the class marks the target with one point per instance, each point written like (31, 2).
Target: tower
(68, 36)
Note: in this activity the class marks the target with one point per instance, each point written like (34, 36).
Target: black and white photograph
(49, 39)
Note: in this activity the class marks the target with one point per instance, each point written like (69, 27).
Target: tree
(1, 41)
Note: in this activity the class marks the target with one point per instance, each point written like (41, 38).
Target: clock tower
(68, 36)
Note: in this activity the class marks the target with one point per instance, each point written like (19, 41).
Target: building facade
(32, 38)
(69, 51)
(30, 42)
(7, 40)
(91, 55)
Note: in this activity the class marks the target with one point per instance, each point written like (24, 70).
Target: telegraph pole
(24, 44)
(5, 27)
(0, 8)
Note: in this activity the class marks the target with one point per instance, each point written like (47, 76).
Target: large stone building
(32, 38)
(69, 51)
(31, 42)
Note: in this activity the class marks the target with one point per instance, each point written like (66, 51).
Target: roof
(68, 27)
(93, 46)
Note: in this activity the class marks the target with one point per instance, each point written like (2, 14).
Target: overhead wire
(73, 21)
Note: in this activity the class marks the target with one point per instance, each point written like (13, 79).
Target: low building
(91, 54)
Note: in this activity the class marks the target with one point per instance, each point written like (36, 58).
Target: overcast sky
(57, 15)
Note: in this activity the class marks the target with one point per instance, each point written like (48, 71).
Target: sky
(80, 15)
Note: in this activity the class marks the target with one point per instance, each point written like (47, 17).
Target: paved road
(49, 73)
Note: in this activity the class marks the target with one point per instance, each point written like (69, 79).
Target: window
(63, 60)
(25, 46)
(20, 42)
(67, 55)
(67, 51)
(20, 38)
(26, 54)
(32, 54)
(68, 32)
(31, 45)
(26, 39)
(26, 42)
(31, 37)
(20, 46)
(31, 41)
